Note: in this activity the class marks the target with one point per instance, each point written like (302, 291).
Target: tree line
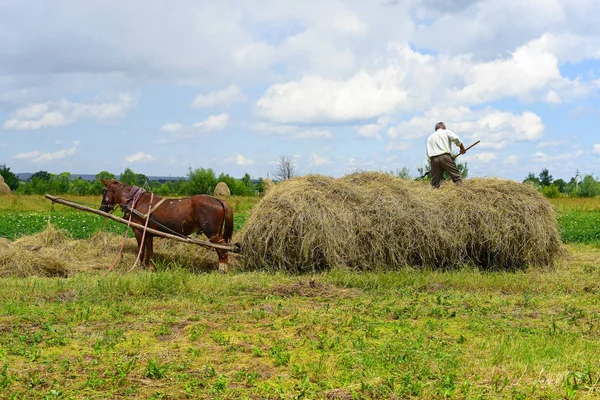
(198, 181)
(544, 182)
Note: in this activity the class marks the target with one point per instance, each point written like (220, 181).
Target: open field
(337, 335)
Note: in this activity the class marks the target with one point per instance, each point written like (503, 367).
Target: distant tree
(285, 169)
(545, 178)
(200, 181)
(44, 176)
(142, 180)
(81, 187)
(260, 185)
(60, 183)
(128, 177)
(561, 185)
(532, 179)
(589, 187)
(9, 178)
(104, 175)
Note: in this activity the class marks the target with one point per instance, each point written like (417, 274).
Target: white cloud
(511, 160)
(551, 143)
(290, 131)
(317, 160)
(596, 148)
(485, 157)
(139, 157)
(312, 133)
(3, 145)
(64, 112)
(230, 95)
(395, 146)
(171, 127)
(494, 128)
(39, 157)
(314, 99)
(213, 123)
(372, 131)
(241, 160)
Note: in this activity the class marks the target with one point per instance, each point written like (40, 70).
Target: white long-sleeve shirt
(440, 142)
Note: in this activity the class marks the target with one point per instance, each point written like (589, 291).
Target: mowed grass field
(532, 334)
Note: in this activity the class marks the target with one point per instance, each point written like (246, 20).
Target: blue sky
(162, 86)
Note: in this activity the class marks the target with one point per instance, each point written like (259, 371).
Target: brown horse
(200, 213)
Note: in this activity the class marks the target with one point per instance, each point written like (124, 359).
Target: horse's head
(109, 199)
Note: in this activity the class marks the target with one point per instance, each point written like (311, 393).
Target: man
(438, 151)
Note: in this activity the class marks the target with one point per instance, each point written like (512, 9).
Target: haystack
(374, 220)
(222, 190)
(4, 189)
(268, 184)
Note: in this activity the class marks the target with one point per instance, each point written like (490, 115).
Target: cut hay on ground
(374, 220)
(53, 253)
(222, 190)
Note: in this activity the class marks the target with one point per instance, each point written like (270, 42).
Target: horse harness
(135, 194)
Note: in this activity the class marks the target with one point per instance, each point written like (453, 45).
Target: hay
(4, 189)
(54, 253)
(374, 220)
(268, 184)
(222, 190)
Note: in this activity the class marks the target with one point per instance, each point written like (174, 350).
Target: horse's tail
(228, 217)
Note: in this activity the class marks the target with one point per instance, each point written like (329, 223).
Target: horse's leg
(223, 257)
(138, 237)
(149, 253)
(223, 260)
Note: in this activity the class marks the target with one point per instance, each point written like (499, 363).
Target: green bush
(551, 191)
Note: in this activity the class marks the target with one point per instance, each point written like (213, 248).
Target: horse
(196, 214)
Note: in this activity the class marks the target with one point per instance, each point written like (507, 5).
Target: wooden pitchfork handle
(453, 157)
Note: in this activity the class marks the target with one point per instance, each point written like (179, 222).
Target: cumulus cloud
(493, 127)
(171, 127)
(596, 148)
(314, 99)
(139, 157)
(484, 157)
(213, 123)
(511, 160)
(40, 157)
(372, 131)
(317, 160)
(242, 160)
(64, 112)
(230, 95)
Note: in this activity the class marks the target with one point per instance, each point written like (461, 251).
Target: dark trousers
(441, 163)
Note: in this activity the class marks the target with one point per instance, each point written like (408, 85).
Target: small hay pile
(268, 184)
(4, 189)
(374, 220)
(222, 190)
(53, 253)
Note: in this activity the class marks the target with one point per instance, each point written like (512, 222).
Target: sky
(338, 86)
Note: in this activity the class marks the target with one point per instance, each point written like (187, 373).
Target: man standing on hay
(438, 151)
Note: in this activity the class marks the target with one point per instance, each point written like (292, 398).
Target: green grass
(419, 334)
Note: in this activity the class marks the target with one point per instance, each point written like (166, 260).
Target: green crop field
(172, 334)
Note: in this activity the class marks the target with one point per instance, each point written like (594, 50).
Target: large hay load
(222, 190)
(4, 189)
(374, 220)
